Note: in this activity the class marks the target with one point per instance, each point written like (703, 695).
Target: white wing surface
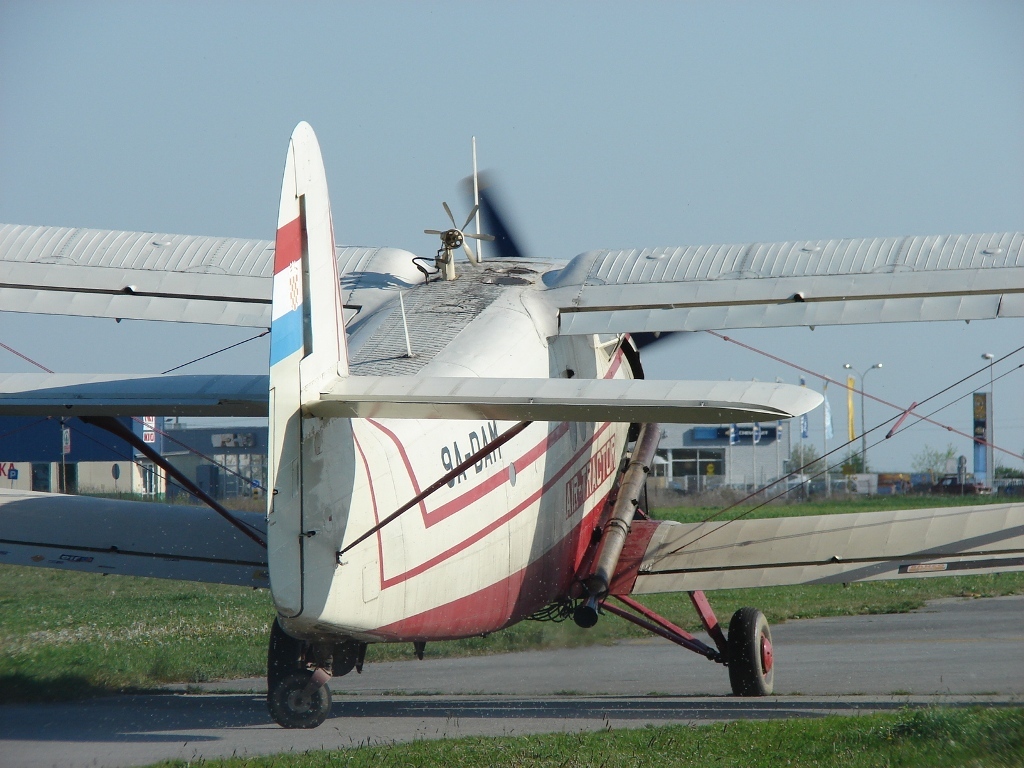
(80, 533)
(621, 400)
(819, 549)
(156, 276)
(37, 394)
(821, 282)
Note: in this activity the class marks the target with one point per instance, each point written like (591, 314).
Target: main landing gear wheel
(292, 705)
(291, 702)
(751, 661)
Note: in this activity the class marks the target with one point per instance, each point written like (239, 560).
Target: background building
(55, 455)
(698, 458)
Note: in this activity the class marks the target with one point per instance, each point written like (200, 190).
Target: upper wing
(133, 538)
(818, 549)
(821, 282)
(155, 276)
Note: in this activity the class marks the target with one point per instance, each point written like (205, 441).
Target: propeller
(648, 338)
(454, 238)
(494, 217)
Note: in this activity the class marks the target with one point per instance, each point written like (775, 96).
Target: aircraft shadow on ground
(159, 718)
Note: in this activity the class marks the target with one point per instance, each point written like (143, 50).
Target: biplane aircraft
(456, 447)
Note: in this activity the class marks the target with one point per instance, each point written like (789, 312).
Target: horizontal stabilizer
(619, 400)
(38, 394)
(819, 549)
(131, 538)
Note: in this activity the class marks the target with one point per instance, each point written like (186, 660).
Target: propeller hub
(452, 239)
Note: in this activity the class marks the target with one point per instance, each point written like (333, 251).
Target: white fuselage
(497, 542)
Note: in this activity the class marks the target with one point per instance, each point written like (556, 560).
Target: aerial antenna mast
(476, 204)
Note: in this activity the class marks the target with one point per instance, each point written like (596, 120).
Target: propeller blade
(433, 232)
(470, 217)
(478, 237)
(469, 252)
(494, 221)
(449, 212)
(646, 339)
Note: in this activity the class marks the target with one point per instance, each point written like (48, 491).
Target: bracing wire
(911, 411)
(225, 349)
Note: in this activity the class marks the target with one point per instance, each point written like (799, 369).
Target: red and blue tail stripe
(287, 311)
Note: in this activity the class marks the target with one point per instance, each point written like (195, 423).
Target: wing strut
(115, 427)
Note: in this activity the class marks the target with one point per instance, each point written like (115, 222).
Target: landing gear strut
(747, 651)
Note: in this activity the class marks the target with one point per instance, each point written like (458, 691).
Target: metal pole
(990, 449)
(753, 457)
(863, 428)
(824, 442)
(476, 201)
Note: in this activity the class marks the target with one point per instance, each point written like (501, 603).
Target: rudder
(307, 347)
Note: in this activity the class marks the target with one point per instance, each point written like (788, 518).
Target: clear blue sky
(610, 126)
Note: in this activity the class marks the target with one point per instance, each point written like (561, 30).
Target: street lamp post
(863, 430)
(990, 450)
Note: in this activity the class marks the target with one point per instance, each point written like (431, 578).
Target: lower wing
(80, 533)
(819, 549)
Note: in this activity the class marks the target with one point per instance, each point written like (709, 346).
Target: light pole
(863, 431)
(990, 450)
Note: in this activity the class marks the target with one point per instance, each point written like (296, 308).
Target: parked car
(950, 484)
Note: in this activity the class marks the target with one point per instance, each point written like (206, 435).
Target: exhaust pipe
(617, 527)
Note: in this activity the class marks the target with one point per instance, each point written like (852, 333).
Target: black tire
(285, 655)
(751, 662)
(292, 707)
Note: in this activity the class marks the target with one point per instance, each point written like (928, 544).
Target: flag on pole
(828, 420)
(849, 407)
(734, 434)
(804, 433)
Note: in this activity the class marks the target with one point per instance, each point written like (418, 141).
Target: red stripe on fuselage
(373, 504)
(541, 582)
(564, 556)
(512, 513)
(496, 480)
(479, 490)
(288, 245)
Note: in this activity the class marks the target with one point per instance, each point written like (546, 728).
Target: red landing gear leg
(747, 651)
(662, 627)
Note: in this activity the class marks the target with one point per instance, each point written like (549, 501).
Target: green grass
(73, 634)
(930, 737)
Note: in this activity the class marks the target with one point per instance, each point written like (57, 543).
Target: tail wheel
(292, 705)
(751, 659)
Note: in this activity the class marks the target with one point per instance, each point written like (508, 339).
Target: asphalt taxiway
(953, 651)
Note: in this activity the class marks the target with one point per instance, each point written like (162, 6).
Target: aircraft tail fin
(307, 312)
(307, 348)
